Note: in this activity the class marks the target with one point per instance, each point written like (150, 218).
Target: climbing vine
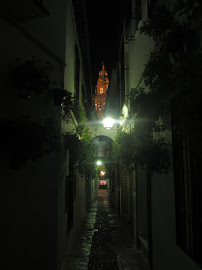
(86, 159)
(173, 73)
(171, 76)
(132, 148)
(80, 145)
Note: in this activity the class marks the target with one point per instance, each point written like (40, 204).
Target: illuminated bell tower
(101, 93)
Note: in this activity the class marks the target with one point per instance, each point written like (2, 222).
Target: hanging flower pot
(59, 96)
(31, 77)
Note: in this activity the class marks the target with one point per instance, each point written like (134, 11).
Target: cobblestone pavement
(104, 243)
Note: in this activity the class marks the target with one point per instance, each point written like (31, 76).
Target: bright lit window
(101, 90)
(96, 106)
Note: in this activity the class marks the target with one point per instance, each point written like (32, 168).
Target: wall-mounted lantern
(108, 122)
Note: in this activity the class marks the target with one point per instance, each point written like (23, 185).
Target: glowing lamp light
(102, 173)
(98, 162)
(108, 122)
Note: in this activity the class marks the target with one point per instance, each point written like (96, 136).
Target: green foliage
(80, 115)
(151, 152)
(172, 77)
(170, 19)
(140, 147)
(126, 147)
(146, 103)
(161, 20)
(68, 105)
(159, 72)
(81, 150)
(86, 159)
(112, 158)
(173, 72)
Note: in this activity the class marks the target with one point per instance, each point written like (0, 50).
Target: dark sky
(104, 32)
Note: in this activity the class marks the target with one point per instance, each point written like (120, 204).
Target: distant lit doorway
(102, 184)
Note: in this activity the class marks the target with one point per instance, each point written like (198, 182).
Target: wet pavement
(104, 243)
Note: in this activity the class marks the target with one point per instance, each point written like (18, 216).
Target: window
(101, 90)
(96, 106)
(188, 196)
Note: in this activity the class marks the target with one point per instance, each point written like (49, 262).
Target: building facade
(161, 209)
(99, 99)
(43, 55)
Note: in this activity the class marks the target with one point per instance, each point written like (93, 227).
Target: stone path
(104, 243)
(102, 255)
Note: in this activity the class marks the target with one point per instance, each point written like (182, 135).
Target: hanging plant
(86, 146)
(173, 72)
(67, 104)
(172, 76)
(159, 22)
(32, 76)
(80, 115)
(26, 140)
(112, 159)
(82, 149)
(139, 147)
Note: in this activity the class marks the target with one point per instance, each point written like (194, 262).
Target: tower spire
(101, 93)
(103, 66)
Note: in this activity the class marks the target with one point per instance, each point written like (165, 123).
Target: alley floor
(104, 242)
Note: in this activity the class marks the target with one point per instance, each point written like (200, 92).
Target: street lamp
(108, 122)
(98, 162)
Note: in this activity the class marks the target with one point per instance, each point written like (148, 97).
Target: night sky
(104, 33)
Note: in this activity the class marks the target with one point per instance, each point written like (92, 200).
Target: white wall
(28, 204)
(70, 50)
(166, 254)
(33, 200)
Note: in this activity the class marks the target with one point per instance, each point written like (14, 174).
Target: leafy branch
(173, 72)
(81, 146)
(68, 105)
(171, 76)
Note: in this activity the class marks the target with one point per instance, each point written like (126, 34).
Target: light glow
(108, 122)
(98, 162)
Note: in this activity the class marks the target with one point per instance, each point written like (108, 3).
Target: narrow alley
(100, 138)
(104, 242)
